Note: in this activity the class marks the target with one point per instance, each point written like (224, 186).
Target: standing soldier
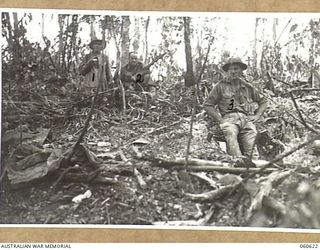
(90, 66)
(231, 105)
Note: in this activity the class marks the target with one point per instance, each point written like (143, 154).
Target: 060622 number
(309, 246)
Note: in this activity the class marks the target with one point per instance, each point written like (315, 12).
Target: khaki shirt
(91, 74)
(238, 97)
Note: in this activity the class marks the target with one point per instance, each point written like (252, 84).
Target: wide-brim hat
(236, 61)
(97, 41)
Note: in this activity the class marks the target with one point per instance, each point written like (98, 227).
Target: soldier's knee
(229, 130)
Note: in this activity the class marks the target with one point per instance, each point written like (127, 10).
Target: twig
(305, 89)
(279, 80)
(87, 98)
(65, 171)
(205, 178)
(215, 194)
(151, 132)
(123, 95)
(282, 32)
(139, 178)
(301, 117)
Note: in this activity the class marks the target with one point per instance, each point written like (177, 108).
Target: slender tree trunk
(73, 51)
(66, 44)
(61, 24)
(263, 44)
(189, 76)
(125, 40)
(16, 47)
(146, 39)
(254, 52)
(42, 25)
(136, 36)
(312, 54)
(274, 30)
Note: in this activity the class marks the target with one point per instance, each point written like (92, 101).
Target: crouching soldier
(136, 77)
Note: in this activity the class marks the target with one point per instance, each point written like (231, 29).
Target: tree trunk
(254, 52)
(61, 24)
(189, 76)
(73, 51)
(146, 39)
(312, 54)
(274, 30)
(42, 25)
(136, 36)
(125, 40)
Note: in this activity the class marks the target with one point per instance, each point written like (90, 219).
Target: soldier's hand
(253, 118)
(94, 62)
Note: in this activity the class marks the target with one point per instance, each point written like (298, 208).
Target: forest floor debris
(132, 170)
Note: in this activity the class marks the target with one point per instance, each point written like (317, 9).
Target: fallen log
(83, 178)
(198, 162)
(219, 168)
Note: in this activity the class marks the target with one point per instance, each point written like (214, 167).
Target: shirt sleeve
(84, 68)
(108, 70)
(125, 75)
(213, 97)
(146, 71)
(257, 97)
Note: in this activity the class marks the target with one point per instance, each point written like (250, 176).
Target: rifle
(139, 75)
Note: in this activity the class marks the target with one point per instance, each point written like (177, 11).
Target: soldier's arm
(210, 105)
(125, 75)
(85, 66)
(108, 71)
(262, 102)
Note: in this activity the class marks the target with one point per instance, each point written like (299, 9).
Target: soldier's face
(234, 71)
(96, 48)
(133, 59)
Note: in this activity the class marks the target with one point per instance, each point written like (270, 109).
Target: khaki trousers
(240, 134)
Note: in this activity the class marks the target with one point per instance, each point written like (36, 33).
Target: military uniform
(135, 77)
(235, 103)
(91, 65)
(90, 71)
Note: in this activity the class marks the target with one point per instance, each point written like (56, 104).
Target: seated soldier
(136, 77)
(90, 66)
(231, 104)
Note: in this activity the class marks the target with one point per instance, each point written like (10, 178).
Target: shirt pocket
(226, 96)
(246, 102)
(228, 100)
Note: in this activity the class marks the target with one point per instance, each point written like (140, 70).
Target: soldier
(135, 76)
(231, 103)
(90, 66)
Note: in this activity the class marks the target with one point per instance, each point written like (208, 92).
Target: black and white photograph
(160, 119)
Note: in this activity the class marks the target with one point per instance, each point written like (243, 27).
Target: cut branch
(301, 117)
(215, 194)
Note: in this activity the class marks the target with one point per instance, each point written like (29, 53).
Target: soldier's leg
(231, 131)
(247, 138)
